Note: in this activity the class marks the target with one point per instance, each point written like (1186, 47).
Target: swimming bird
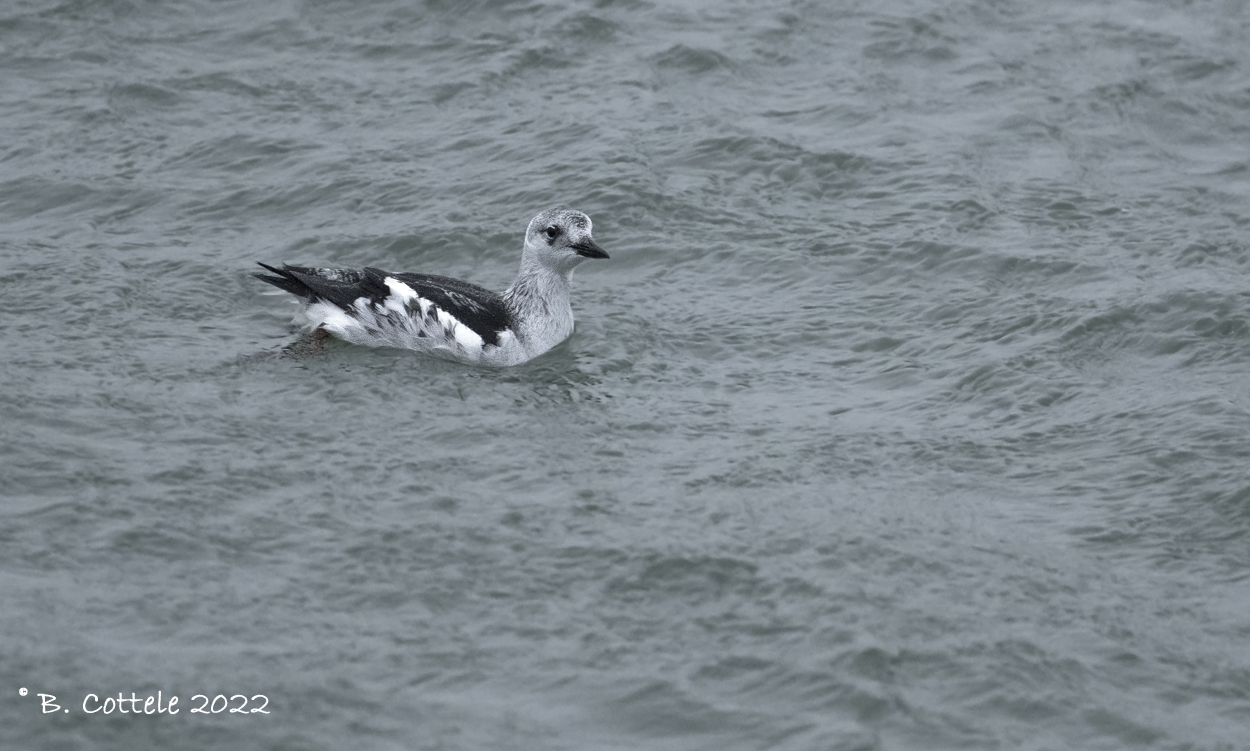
(447, 317)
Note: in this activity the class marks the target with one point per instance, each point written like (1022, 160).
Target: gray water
(910, 412)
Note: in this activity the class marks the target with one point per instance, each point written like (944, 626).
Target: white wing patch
(458, 332)
(467, 337)
(402, 319)
(401, 294)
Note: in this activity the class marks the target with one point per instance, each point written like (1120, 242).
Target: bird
(446, 317)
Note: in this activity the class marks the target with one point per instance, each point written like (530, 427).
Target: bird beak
(588, 249)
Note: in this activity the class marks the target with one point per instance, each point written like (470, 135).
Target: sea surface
(910, 412)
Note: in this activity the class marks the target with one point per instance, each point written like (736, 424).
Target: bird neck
(539, 301)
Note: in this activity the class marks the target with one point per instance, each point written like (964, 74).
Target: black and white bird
(447, 317)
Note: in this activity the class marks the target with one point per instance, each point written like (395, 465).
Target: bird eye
(552, 232)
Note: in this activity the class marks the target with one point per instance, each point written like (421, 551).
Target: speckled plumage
(448, 317)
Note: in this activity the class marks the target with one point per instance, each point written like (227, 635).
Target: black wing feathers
(342, 289)
(475, 307)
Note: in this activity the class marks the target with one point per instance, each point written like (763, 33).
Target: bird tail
(285, 281)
